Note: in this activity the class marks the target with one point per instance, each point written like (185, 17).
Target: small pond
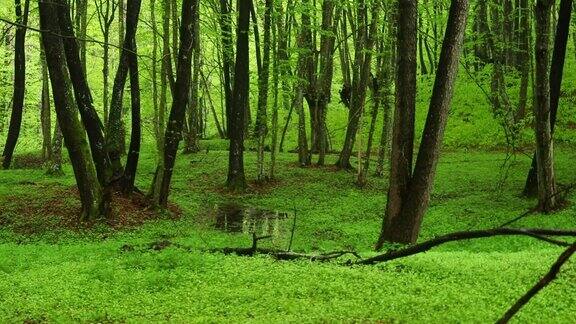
(232, 217)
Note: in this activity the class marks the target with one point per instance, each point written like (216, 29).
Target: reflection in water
(235, 218)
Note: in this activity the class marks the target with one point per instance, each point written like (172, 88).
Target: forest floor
(149, 270)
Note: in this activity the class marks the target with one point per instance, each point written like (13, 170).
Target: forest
(390, 161)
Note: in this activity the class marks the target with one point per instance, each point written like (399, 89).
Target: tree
(129, 175)
(94, 205)
(409, 191)
(547, 200)
(365, 39)
(45, 118)
(173, 135)
(236, 120)
(556, 73)
(194, 115)
(263, 81)
(19, 82)
(114, 128)
(227, 56)
(105, 11)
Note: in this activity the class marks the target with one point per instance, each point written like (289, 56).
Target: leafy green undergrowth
(101, 275)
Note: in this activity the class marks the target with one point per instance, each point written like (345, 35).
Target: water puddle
(233, 217)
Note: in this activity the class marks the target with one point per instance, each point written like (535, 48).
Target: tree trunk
(19, 83)
(556, 72)
(304, 157)
(114, 128)
(194, 120)
(90, 119)
(181, 96)
(94, 206)
(404, 217)
(389, 69)
(45, 118)
(236, 121)
(263, 81)
(132, 13)
(81, 17)
(364, 40)
(227, 56)
(523, 57)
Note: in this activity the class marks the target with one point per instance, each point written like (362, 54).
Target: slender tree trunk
(55, 167)
(263, 81)
(556, 73)
(363, 58)
(330, 20)
(19, 83)
(163, 176)
(236, 121)
(423, 69)
(45, 118)
(90, 119)
(194, 120)
(389, 68)
(154, 76)
(132, 15)
(81, 22)
(114, 128)
(227, 56)
(94, 205)
(403, 226)
(136, 133)
(523, 57)
(275, 95)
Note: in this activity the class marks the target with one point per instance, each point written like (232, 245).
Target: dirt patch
(50, 208)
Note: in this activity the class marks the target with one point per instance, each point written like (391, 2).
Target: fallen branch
(543, 282)
(536, 233)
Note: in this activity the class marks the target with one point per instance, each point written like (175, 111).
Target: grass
(56, 274)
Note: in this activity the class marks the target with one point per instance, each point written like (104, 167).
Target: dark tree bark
(158, 117)
(482, 31)
(194, 113)
(365, 39)
(106, 12)
(81, 23)
(423, 69)
(90, 119)
(523, 57)
(303, 68)
(94, 206)
(556, 73)
(406, 209)
(323, 85)
(19, 83)
(387, 83)
(136, 133)
(236, 121)
(227, 56)
(114, 128)
(181, 96)
(263, 81)
(45, 118)
(132, 13)
(547, 200)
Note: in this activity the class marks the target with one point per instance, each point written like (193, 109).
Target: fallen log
(537, 233)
